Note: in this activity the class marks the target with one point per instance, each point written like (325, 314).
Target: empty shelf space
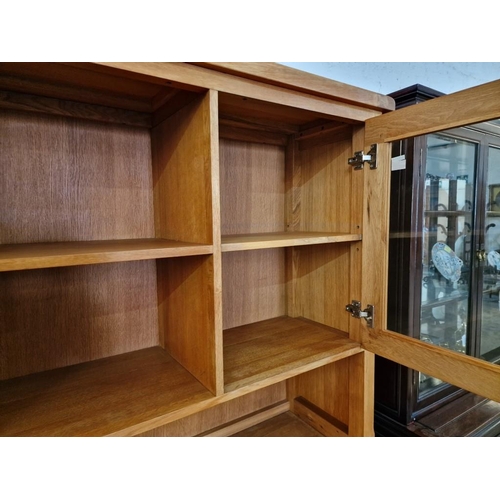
(238, 242)
(43, 255)
(276, 349)
(102, 397)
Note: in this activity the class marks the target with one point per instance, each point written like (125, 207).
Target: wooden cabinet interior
(168, 249)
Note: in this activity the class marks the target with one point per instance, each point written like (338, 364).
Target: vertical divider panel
(185, 177)
(292, 215)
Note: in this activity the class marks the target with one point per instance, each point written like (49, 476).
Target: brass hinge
(355, 309)
(360, 158)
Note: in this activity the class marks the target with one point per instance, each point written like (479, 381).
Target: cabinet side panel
(326, 387)
(65, 179)
(252, 180)
(182, 175)
(321, 284)
(253, 286)
(64, 316)
(187, 316)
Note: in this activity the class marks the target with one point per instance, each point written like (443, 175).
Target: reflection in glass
(450, 170)
(490, 320)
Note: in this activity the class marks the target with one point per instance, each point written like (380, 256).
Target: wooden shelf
(42, 255)
(276, 349)
(238, 242)
(102, 397)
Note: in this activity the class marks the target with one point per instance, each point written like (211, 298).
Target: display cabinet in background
(444, 277)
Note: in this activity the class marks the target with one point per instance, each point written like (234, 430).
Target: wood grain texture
(361, 394)
(324, 184)
(284, 425)
(187, 316)
(58, 317)
(253, 286)
(78, 84)
(37, 104)
(182, 170)
(192, 75)
(471, 374)
(356, 276)
(473, 105)
(247, 421)
(296, 79)
(327, 388)
(239, 242)
(280, 348)
(44, 255)
(321, 283)
(204, 421)
(376, 237)
(257, 136)
(98, 398)
(73, 180)
(252, 180)
(318, 419)
(262, 114)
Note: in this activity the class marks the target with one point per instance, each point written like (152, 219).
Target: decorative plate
(494, 259)
(446, 262)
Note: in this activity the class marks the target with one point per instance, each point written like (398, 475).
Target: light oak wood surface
(471, 374)
(239, 242)
(63, 316)
(206, 78)
(473, 105)
(97, 398)
(305, 81)
(284, 425)
(73, 180)
(280, 348)
(223, 414)
(44, 255)
(253, 286)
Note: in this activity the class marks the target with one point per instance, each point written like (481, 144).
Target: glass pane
(447, 230)
(490, 320)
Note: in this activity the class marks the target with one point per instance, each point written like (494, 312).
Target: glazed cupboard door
(471, 106)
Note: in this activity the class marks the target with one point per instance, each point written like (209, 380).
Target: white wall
(387, 77)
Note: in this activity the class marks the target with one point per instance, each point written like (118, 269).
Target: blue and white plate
(494, 259)
(446, 262)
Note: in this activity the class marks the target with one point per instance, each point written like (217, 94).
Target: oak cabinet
(178, 244)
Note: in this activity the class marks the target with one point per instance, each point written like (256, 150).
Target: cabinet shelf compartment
(279, 348)
(102, 397)
(106, 231)
(44, 255)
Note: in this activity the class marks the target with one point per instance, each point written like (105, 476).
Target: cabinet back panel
(323, 180)
(253, 286)
(252, 178)
(64, 179)
(64, 316)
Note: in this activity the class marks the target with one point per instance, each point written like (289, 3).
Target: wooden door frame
(469, 106)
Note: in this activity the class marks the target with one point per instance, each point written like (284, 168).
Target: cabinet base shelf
(97, 398)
